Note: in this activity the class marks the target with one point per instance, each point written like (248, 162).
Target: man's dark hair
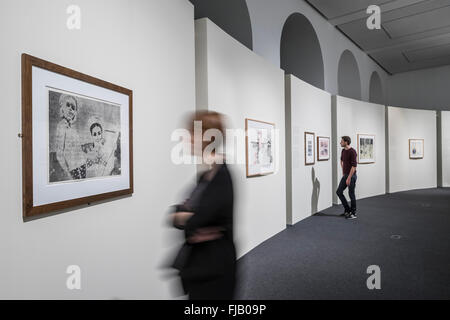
(347, 139)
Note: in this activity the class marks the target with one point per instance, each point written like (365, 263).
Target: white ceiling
(414, 34)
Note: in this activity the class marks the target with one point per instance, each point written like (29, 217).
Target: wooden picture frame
(319, 158)
(38, 95)
(423, 149)
(308, 160)
(257, 170)
(372, 160)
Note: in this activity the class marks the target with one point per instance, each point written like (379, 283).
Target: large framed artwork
(310, 157)
(323, 148)
(259, 147)
(77, 135)
(366, 148)
(416, 148)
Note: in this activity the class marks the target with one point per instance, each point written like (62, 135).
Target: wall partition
(445, 148)
(235, 81)
(412, 149)
(308, 132)
(364, 123)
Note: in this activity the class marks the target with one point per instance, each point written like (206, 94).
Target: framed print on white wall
(366, 148)
(310, 158)
(416, 148)
(77, 143)
(259, 145)
(323, 148)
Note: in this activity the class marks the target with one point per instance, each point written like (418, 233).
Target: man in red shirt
(348, 164)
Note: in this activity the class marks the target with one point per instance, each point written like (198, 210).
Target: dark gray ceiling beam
(407, 43)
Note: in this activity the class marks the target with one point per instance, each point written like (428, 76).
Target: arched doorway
(349, 79)
(376, 89)
(300, 52)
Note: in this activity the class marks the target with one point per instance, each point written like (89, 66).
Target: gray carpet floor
(326, 256)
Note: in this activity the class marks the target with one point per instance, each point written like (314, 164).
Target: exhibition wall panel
(121, 244)
(363, 120)
(233, 80)
(406, 173)
(309, 187)
(445, 145)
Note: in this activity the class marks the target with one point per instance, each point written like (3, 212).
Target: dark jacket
(212, 205)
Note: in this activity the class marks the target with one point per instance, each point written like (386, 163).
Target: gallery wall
(309, 187)
(406, 173)
(265, 20)
(120, 245)
(233, 80)
(353, 117)
(445, 148)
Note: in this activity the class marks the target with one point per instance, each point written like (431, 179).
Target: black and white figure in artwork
(84, 138)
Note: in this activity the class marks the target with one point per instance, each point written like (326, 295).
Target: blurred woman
(207, 260)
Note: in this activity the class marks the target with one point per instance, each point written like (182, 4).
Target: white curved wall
(353, 117)
(309, 188)
(404, 173)
(235, 81)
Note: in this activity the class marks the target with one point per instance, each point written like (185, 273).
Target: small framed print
(366, 148)
(259, 147)
(323, 148)
(77, 134)
(416, 148)
(310, 158)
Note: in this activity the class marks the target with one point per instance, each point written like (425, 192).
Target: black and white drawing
(84, 138)
(366, 148)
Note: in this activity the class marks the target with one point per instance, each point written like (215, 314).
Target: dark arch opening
(232, 16)
(300, 52)
(349, 79)
(376, 89)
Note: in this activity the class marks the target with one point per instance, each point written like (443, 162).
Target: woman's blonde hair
(211, 120)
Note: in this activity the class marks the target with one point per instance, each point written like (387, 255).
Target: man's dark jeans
(351, 193)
